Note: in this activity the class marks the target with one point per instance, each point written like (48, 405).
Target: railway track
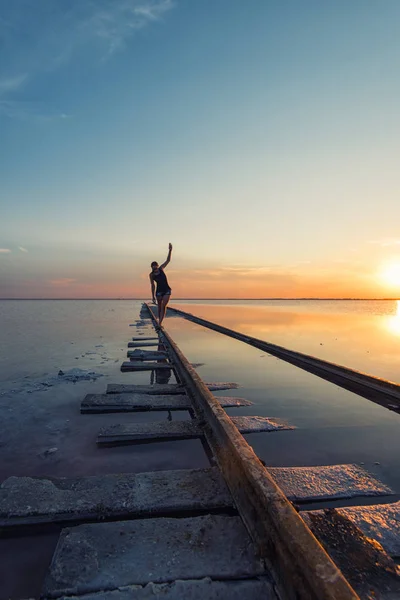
(233, 530)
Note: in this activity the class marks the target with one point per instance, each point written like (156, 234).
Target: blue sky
(260, 137)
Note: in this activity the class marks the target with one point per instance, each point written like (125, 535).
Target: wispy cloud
(11, 84)
(30, 111)
(386, 242)
(12, 106)
(56, 34)
(5, 250)
(63, 282)
(22, 249)
(115, 21)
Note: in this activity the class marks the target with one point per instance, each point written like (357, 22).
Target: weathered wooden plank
(193, 589)
(171, 388)
(140, 432)
(370, 570)
(107, 403)
(155, 389)
(138, 354)
(144, 366)
(95, 557)
(142, 344)
(306, 484)
(380, 522)
(128, 433)
(255, 424)
(133, 402)
(32, 501)
(232, 401)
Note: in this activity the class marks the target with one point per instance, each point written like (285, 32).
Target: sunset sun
(391, 274)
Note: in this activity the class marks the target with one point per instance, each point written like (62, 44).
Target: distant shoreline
(208, 299)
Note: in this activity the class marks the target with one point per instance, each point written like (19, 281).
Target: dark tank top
(162, 282)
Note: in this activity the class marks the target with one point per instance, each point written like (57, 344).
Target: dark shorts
(161, 294)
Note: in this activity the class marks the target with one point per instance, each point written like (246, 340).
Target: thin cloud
(22, 249)
(29, 111)
(94, 28)
(5, 250)
(63, 282)
(104, 25)
(386, 242)
(11, 84)
(8, 86)
(115, 21)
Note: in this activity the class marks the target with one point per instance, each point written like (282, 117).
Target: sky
(260, 138)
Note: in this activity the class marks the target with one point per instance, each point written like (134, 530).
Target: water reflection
(161, 376)
(360, 334)
(393, 322)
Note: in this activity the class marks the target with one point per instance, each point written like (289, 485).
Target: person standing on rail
(163, 291)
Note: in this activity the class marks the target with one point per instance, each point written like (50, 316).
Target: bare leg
(160, 309)
(164, 302)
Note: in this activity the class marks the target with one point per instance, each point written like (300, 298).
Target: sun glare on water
(393, 322)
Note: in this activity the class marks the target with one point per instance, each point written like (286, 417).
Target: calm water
(364, 335)
(41, 335)
(43, 432)
(40, 410)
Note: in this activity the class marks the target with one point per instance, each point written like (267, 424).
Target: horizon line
(253, 299)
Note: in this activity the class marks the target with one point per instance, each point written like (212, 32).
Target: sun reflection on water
(393, 322)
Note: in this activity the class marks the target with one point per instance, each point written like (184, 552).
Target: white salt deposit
(380, 522)
(327, 483)
(30, 385)
(76, 374)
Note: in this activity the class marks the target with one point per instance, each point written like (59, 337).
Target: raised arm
(153, 288)
(168, 257)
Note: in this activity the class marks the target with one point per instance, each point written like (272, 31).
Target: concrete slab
(139, 354)
(260, 424)
(130, 433)
(105, 556)
(110, 403)
(144, 366)
(156, 389)
(363, 561)
(193, 589)
(142, 344)
(305, 484)
(173, 388)
(380, 522)
(103, 403)
(28, 500)
(232, 401)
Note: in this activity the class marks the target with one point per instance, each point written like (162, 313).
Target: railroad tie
(144, 366)
(171, 388)
(131, 433)
(113, 403)
(105, 556)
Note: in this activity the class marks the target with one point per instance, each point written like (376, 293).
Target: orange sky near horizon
(226, 282)
(370, 271)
